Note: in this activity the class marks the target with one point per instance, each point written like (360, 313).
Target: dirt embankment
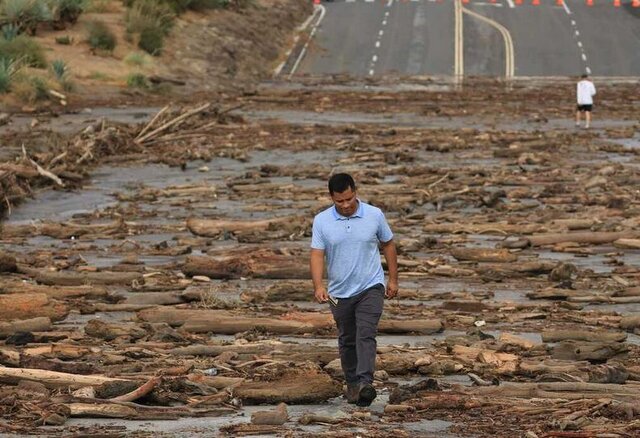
(212, 51)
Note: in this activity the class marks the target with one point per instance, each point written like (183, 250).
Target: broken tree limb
(484, 255)
(61, 278)
(32, 305)
(139, 392)
(52, 379)
(172, 122)
(595, 238)
(39, 324)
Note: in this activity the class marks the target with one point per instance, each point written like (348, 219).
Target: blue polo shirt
(351, 248)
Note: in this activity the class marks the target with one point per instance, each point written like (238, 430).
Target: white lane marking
(323, 11)
(511, 5)
(573, 22)
(381, 33)
(375, 58)
(566, 7)
(580, 44)
(577, 33)
(389, 3)
(496, 5)
(508, 42)
(351, 1)
(588, 70)
(584, 57)
(384, 23)
(369, 1)
(377, 44)
(371, 72)
(386, 14)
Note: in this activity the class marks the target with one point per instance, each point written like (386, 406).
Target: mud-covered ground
(155, 279)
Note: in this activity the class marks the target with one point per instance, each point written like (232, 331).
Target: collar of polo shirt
(359, 212)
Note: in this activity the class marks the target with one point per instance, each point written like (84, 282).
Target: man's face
(346, 202)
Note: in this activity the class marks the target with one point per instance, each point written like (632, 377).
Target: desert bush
(151, 41)
(64, 40)
(137, 59)
(100, 36)
(60, 71)
(25, 49)
(9, 32)
(66, 11)
(25, 14)
(201, 5)
(137, 80)
(30, 88)
(145, 14)
(8, 69)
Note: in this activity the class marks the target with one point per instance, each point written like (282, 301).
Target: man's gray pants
(357, 321)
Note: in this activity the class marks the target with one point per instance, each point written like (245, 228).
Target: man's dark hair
(584, 76)
(340, 182)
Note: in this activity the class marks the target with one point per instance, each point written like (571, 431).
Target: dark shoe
(366, 395)
(352, 393)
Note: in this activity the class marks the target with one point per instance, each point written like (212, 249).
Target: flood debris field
(160, 270)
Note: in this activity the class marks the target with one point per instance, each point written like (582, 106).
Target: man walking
(348, 235)
(585, 91)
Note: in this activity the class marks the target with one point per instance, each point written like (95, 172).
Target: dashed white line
(371, 72)
(584, 57)
(381, 33)
(511, 5)
(580, 44)
(375, 58)
(566, 7)
(377, 44)
(588, 70)
(384, 23)
(577, 33)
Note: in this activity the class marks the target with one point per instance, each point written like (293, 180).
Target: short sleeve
(317, 239)
(384, 231)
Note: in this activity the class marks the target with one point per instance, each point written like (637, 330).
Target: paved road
(417, 37)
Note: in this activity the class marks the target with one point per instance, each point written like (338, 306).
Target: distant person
(585, 91)
(349, 235)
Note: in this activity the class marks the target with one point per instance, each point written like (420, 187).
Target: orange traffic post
(635, 4)
(559, 2)
(535, 2)
(519, 2)
(589, 2)
(316, 2)
(616, 3)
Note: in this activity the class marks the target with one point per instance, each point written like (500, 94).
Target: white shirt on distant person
(586, 90)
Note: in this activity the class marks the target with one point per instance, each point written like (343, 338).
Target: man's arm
(391, 256)
(317, 269)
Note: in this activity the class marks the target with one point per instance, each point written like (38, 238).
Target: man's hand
(321, 295)
(392, 289)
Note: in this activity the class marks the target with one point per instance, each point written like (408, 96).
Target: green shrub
(66, 11)
(9, 32)
(24, 49)
(151, 41)
(64, 40)
(137, 59)
(137, 80)
(201, 5)
(8, 69)
(100, 36)
(30, 89)
(60, 71)
(145, 14)
(25, 14)
(99, 76)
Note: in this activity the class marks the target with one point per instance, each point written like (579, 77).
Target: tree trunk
(27, 306)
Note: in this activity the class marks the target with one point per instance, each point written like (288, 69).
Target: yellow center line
(508, 42)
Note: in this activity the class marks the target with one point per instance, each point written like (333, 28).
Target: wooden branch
(172, 122)
(153, 120)
(53, 378)
(139, 392)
